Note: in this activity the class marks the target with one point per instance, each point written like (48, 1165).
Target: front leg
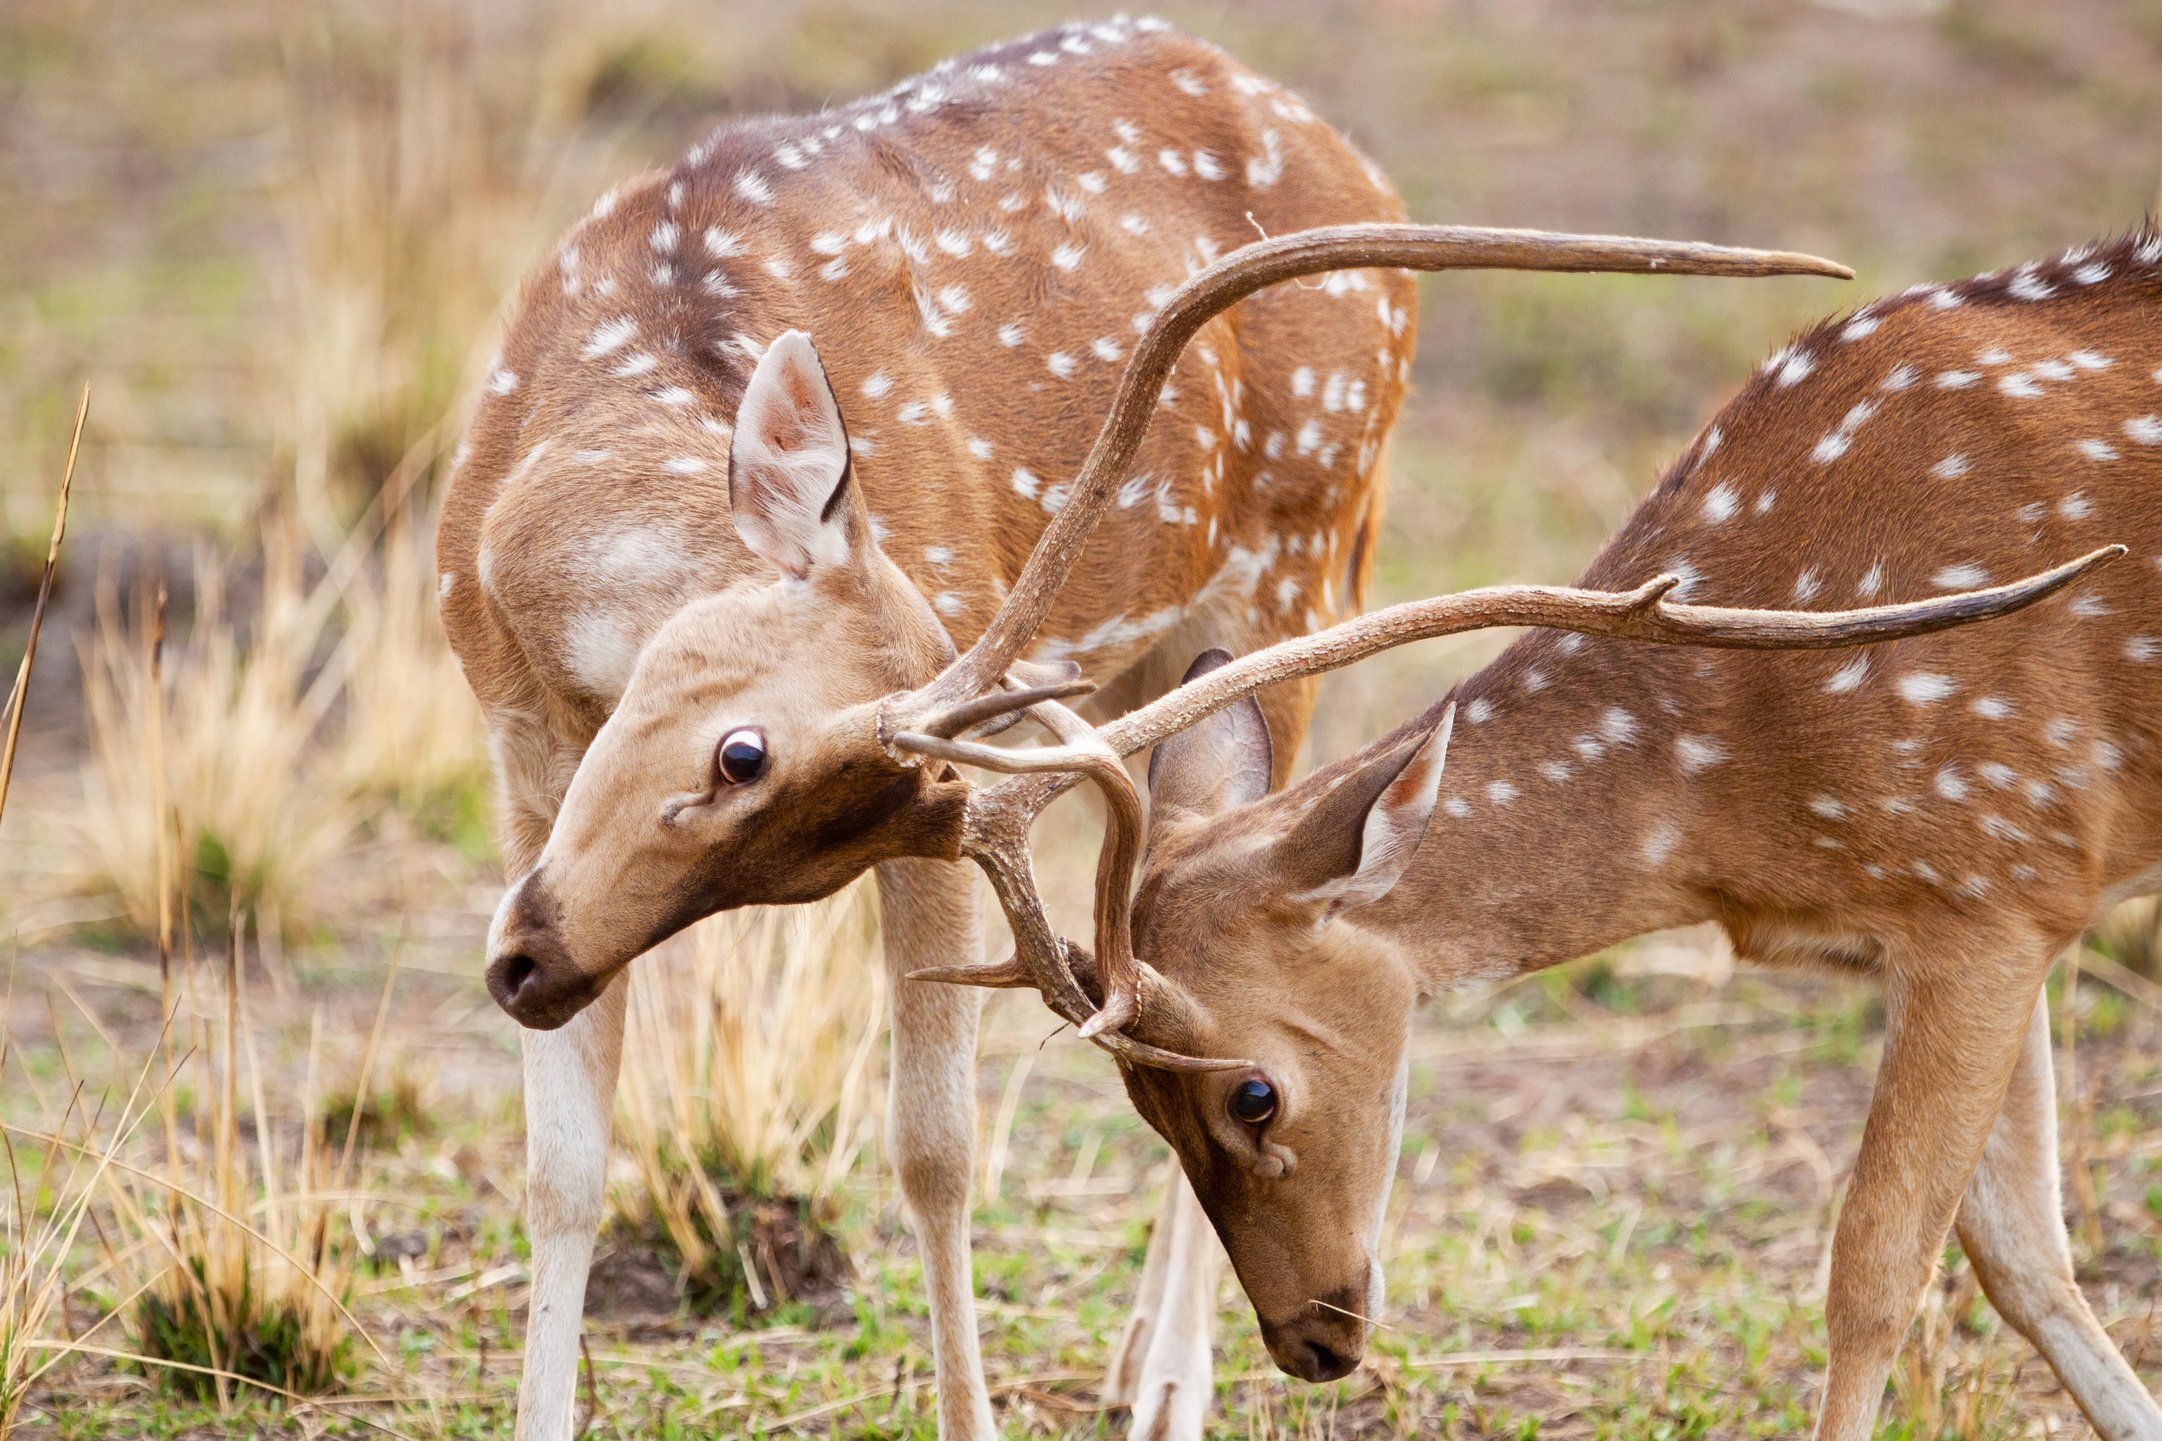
(1955, 1021)
(1162, 1366)
(929, 916)
(570, 1089)
(2011, 1225)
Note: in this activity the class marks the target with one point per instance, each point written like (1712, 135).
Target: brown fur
(1947, 812)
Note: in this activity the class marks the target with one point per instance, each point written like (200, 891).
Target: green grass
(1626, 1196)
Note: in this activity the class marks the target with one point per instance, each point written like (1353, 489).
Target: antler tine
(1644, 614)
(994, 704)
(1224, 284)
(1085, 755)
(1116, 967)
(997, 833)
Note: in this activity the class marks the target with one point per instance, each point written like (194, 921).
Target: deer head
(1257, 929)
(1239, 905)
(750, 759)
(733, 770)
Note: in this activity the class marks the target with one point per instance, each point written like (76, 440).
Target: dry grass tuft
(747, 1094)
(204, 780)
(432, 148)
(232, 768)
(51, 1191)
(1941, 1383)
(242, 1260)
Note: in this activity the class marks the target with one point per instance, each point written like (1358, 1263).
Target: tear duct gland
(1944, 811)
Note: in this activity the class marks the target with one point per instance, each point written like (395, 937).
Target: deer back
(973, 252)
(1949, 437)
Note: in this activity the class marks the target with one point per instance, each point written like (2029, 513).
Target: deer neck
(1571, 817)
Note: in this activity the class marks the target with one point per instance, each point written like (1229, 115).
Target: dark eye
(1252, 1100)
(742, 757)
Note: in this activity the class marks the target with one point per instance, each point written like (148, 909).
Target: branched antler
(996, 835)
(1647, 613)
(1001, 815)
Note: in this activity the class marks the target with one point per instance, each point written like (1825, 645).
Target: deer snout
(530, 971)
(1321, 1343)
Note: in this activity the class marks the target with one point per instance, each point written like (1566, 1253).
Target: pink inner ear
(788, 455)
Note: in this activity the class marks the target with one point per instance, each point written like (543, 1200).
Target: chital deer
(695, 604)
(1944, 813)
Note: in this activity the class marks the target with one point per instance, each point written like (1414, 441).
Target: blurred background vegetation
(277, 237)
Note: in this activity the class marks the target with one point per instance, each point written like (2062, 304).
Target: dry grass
(427, 143)
(234, 765)
(205, 779)
(238, 1236)
(19, 694)
(747, 1078)
(53, 1184)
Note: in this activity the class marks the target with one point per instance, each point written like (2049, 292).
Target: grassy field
(275, 238)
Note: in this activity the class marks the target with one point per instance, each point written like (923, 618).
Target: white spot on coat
(609, 336)
(1925, 687)
(1659, 843)
(1697, 753)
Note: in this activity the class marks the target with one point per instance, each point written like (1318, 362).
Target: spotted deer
(695, 602)
(1946, 813)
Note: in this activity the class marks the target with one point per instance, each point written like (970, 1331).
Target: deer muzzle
(1326, 1340)
(531, 973)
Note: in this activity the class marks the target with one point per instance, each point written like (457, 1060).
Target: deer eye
(741, 758)
(1252, 1101)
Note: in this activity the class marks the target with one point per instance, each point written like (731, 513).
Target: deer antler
(1646, 613)
(995, 834)
(1216, 289)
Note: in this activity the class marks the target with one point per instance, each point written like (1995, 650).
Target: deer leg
(928, 916)
(2011, 1225)
(1954, 1027)
(570, 1086)
(1162, 1367)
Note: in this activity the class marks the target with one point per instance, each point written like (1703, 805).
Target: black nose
(531, 975)
(1319, 1361)
(517, 971)
(508, 975)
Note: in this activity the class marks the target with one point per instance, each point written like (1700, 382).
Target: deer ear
(788, 462)
(1355, 842)
(1214, 764)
